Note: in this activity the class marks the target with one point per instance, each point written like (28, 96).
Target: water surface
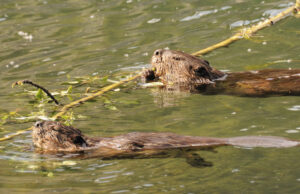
(51, 42)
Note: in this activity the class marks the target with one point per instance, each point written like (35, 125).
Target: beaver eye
(38, 124)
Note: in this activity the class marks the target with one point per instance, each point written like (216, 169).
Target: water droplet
(235, 170)
(292, 131)
(61, 73)
(295, 108)
(225, 8)
(154, 20)
(198, 15)
(47, 59)
(148, 185)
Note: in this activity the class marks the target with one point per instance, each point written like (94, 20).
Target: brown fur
(55, 137)
(181, 71)
(175, 67)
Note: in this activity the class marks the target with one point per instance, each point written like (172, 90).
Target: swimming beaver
(178, 70)
(51, 136)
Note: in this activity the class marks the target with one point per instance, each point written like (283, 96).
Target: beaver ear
(206, 62)
(78, 140)
(202, 72)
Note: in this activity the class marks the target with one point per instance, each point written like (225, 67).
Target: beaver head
(178, 67)
(54, 136)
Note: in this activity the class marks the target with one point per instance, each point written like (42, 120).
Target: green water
(77, 38)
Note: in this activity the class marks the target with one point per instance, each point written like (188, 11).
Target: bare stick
(9, 136)
(248, 32)
(37, 86)
(99, 93)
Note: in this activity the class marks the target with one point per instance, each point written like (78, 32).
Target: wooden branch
(99, 93)
(37, 86)
(248, 32)
(9, 136)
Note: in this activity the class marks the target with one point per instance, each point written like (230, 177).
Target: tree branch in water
(37, 86)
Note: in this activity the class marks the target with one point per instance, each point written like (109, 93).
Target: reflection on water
(168, 98)
(50, 42)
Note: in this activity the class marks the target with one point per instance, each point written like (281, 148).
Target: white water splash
(154, 20)
(198, 15)
(25, 35)
(295, 108)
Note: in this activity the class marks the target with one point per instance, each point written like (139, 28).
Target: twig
(72, 104)
(99, 93)
(9, 136)
(248, 32)
(37, 86)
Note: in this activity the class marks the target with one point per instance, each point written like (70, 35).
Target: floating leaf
(68, 117)
(112, 81)
(104, 79)
(106, 100)
(69, 90)
(39, 94)
(152, 84)
(111, 107)
(33, 167)
(69, 163)
(70, 98)
(81, 117)
(72, 82)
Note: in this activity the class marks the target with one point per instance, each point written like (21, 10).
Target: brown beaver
(178, 70)
(51, 136)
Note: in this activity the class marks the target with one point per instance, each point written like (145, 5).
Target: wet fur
(176, 67)
(181, 71)
(55, 137)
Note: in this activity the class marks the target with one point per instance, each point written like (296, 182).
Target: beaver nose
(38, 124)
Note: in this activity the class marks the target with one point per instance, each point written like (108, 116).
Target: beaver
(52, 136)
(181, 71)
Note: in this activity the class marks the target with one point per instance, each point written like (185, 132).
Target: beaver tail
(262, 141)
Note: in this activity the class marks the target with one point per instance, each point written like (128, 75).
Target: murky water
(51, 42)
